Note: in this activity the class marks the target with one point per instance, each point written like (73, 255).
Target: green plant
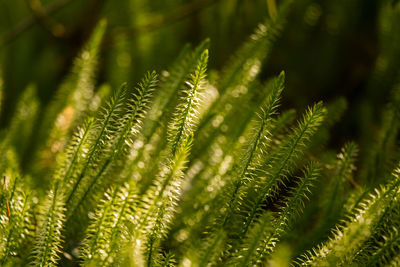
(194, 170)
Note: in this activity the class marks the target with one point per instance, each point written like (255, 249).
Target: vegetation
(193, 167)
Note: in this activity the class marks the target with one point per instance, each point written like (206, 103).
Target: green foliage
(16, 218)
(200, 169)
(48, 239)
(109, 231)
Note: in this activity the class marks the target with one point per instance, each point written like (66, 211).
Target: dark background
(328, 48)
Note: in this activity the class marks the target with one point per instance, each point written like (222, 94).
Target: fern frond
(48, 239)
(211, 184)
(75, 154)
(167, 185)
(106, 127)
(241, 72)
(168, 260)
(248, 162)
(152, 251)
(16, 220)
(125, 132)
(171, 82)
(254, 245)
(180, 137)
(214, 245)
(349, 238)
(155, 131)
(264, 235)
(282, 164)
(383, 241)
(109, 230)
(256, 144)
(334, 200)
(137, 108)
(386, 249)
(186, 113)
(159, 203)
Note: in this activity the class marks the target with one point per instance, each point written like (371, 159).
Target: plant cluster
(195, 169)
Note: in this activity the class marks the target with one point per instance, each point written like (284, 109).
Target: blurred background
(328, 48)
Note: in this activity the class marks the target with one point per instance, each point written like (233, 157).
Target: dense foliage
(198, 168)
